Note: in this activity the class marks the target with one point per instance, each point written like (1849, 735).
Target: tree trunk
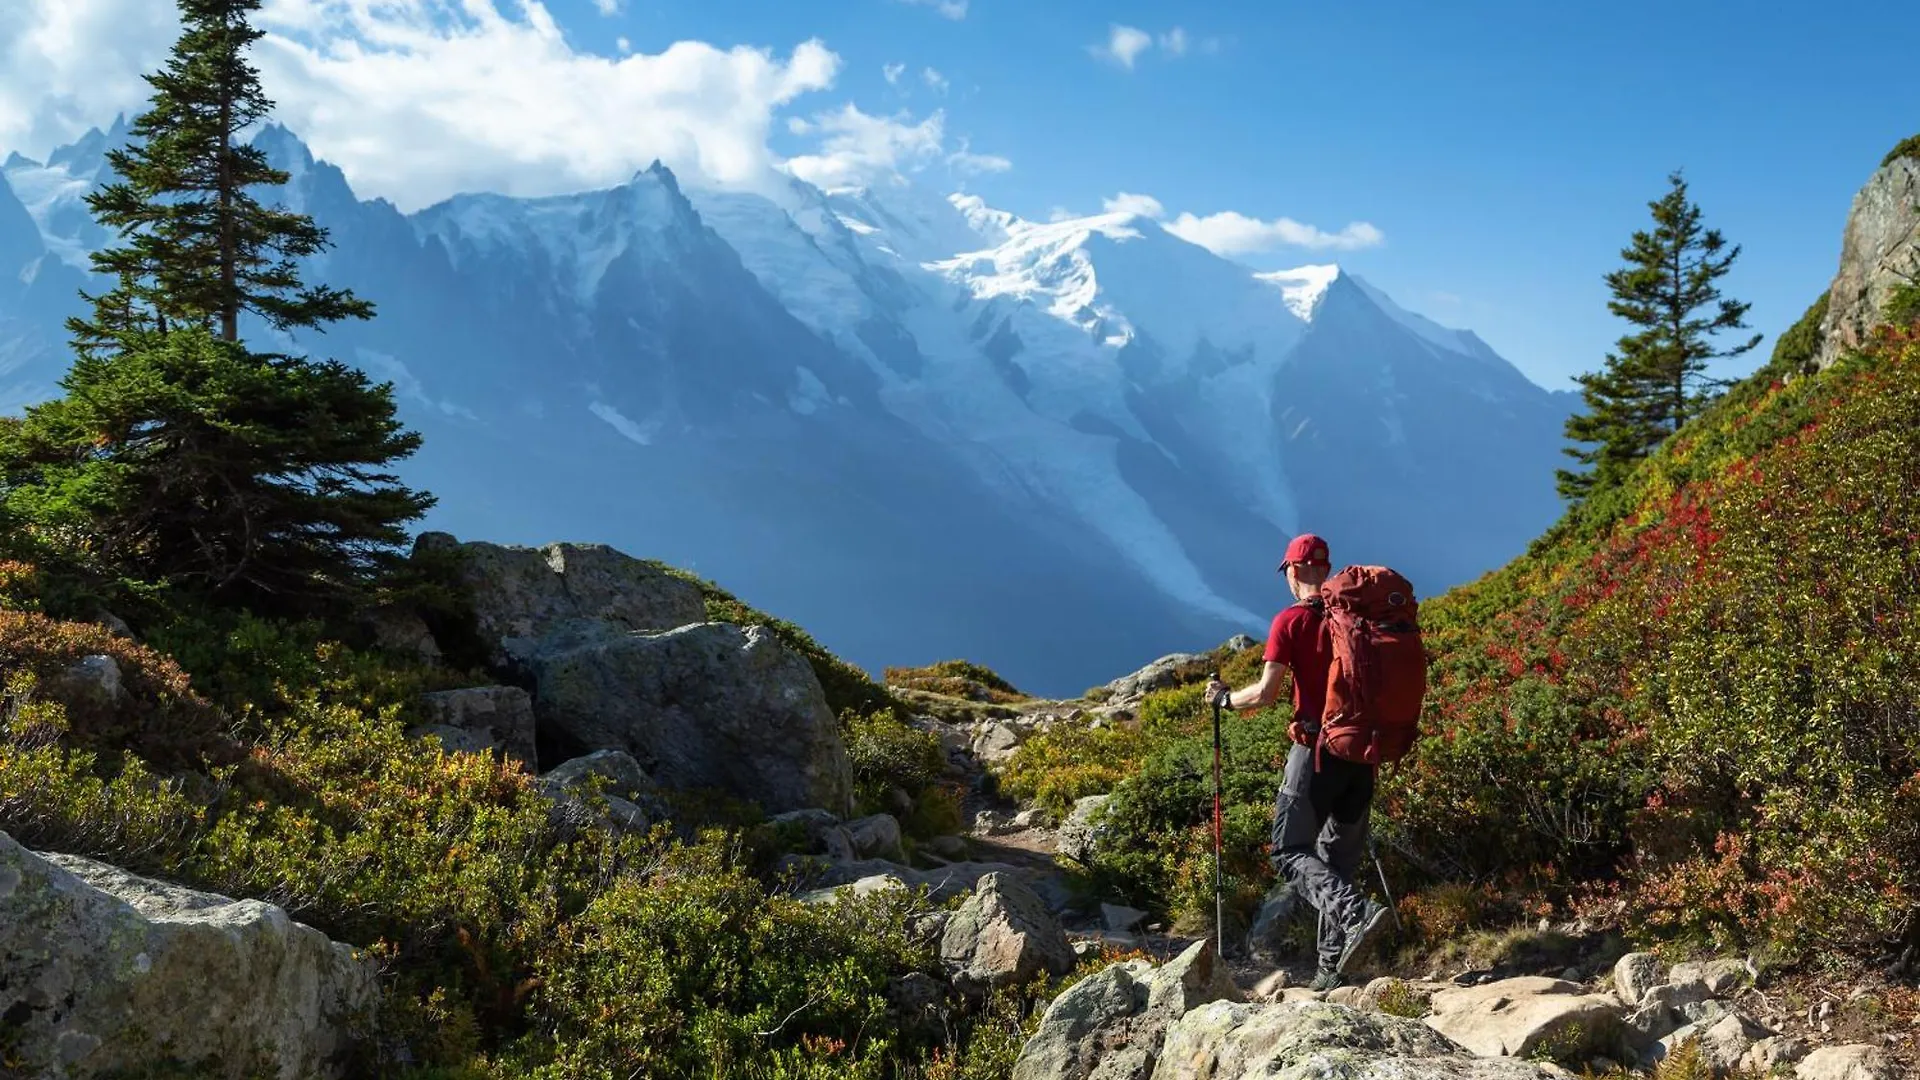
(229, 300)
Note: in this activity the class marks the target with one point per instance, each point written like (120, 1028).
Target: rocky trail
(1583, 1005)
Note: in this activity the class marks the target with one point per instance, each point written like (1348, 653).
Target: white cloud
(1126, 44)
(1061, 213)
(419, 99)
(967, 163)
(1127, 203)
(1234, 233)
(607, 7)
(934, 80)
(952, 9)
(1123, 45)
(893, 72)
(859, 149)
(68, 65)
(623, 45)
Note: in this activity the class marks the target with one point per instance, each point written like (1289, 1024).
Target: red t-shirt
(1299, 640)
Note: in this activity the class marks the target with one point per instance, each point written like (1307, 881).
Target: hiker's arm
(1263, 693)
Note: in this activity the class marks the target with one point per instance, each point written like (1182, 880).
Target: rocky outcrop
(101, 970)
(1111, 1024)
(1228, 1041)
(1879, 253)
(629, 794)
(1162, 673)
(942, 883)
(1636, 973)
(1080, 833)
(521, 595)
(481, 719)
(1856, 1062)
(1002, 936)
(1515, 1016)
(619, 657)
(711, 705)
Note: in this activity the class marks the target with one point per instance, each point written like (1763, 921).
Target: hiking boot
(1325, 981)
(1357, 933)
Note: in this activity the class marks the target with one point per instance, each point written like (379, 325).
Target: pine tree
(199, 248)
(1656, 379)
(179, 457)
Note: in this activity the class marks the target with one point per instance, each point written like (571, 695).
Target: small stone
(1636, 973)
(1119, 918)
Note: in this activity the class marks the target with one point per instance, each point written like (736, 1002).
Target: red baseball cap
(1306, 548)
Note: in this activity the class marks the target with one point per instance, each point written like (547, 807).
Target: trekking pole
(1374, 852)
(1219, 921)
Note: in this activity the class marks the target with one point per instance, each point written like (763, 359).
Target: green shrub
(158, 716)
(887, 753)
(955, 678)
(687, 967)
(1907, 147)
(1071, 761)
(1399, 998)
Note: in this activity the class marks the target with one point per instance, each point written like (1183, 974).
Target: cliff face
(1879, 253)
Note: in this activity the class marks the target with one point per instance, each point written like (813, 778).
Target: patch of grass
(1399, 998)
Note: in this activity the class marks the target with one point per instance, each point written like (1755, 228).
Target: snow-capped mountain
(920, 426)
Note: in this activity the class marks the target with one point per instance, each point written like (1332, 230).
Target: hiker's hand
(1298, 733)
(1214, 689)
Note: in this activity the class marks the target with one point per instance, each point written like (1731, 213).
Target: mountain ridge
(1140, 420)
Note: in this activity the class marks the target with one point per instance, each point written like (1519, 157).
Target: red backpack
(1379, 676)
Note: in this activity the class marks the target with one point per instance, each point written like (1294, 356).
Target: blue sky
(1504, 151)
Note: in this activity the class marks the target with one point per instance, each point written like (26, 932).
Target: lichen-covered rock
(876, 837)
(94, 680)
(101, 970)
(1310, 1040)
(1003, 935)
(1080, 833)
(630, 794)
(520, 595)
(478, 719)
(712, 705)
(1857, 1061)
(1704, 979)
(1635, 974)
(1109, 1026)
(943, 883)
(1773, 1052)
(1724, 1039)
(1162, 673)
(1879, 252)
(1514, 1016)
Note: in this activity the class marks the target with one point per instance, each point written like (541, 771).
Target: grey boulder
(1003, 935)
(1879, 253)
(481, 719)
(711, 705)
(520, 595)
(1110, 1025)
(1298, 1040)
(102, 971)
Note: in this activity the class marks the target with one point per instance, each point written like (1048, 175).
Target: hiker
(1321, 814)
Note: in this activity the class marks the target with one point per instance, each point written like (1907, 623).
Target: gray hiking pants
(1319, 836)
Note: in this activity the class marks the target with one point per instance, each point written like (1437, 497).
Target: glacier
(918, 425)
